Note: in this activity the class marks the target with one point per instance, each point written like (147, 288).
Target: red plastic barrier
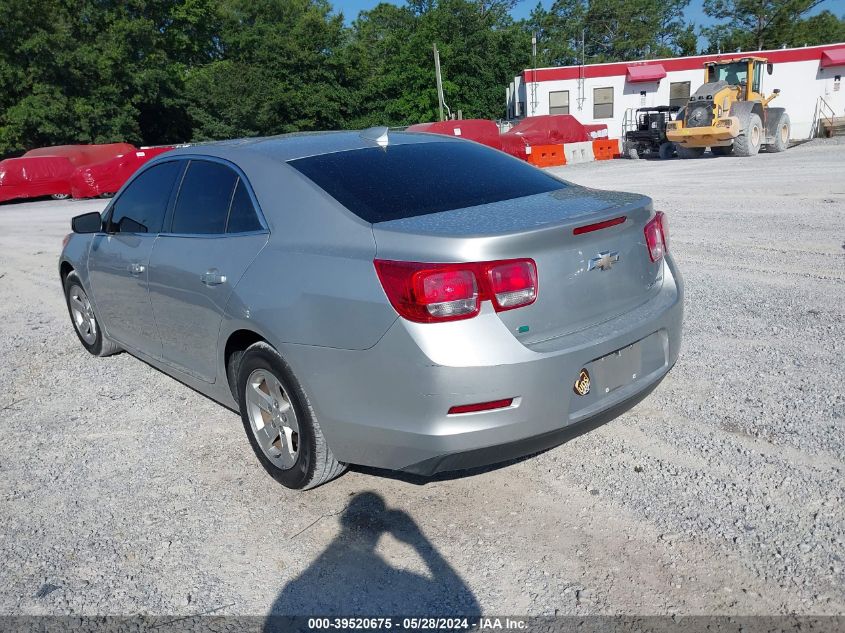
(605, 149)
(478, 130)
(33, 177)
(548, 129)
(546, 156)
(90, 181)
(83, 154)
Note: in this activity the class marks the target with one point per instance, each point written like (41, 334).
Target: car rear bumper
(387, 407)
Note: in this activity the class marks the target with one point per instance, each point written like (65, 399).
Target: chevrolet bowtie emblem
(604, 260)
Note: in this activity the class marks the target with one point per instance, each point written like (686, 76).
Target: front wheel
(748, 143)
(84, 320)
(689, 152)
(280, 423)
(666, 150)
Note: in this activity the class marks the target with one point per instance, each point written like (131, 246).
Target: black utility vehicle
(649, 134)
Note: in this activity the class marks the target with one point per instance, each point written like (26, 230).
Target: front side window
(404, 181)
(204, 198)
(141, 207)
(559, 102)
(734, 74)
(602, 103)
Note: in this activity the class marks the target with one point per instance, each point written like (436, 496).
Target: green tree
(754, 24)
(279, 67)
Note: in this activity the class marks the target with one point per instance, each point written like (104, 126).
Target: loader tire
(748, 143)
(689, 152)
(782, 134)
(666, 150)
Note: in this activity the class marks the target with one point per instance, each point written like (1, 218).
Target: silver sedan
(403, 301)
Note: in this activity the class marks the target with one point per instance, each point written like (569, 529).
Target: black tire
(97, 343)
(314, 463)
(60, 196)
(666, 150)
(689, 152)
(783, 131)
(749, 141)
(633, 153)
(722, 150)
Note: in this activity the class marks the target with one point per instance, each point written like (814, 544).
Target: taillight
(513, 284)
(428, 293)
(657, 236)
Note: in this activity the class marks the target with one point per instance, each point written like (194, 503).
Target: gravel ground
(122, 491)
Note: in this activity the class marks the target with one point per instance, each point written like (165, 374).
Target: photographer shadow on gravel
(350, 578)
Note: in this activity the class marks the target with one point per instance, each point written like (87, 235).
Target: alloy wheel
(83, 314)
(272, 418)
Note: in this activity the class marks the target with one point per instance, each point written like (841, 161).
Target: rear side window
(204, 198)
(141, 207)
(404, 181)
(242, 216)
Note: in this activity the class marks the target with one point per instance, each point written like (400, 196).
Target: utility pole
(533, 73)
(439, 81)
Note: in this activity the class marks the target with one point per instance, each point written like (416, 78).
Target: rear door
(215, 232)
(118, 263)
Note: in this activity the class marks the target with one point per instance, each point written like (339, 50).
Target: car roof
(285, 147)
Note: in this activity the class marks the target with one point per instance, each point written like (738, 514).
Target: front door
(215, 234)
(118, 262)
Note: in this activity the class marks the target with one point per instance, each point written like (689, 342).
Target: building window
(559, 102)
(602, 103)
(679, 93)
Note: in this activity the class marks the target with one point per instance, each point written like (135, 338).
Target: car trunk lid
(584, 278)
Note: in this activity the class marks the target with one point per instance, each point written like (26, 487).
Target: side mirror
(770, 68)
(87, 223)
(776, 91)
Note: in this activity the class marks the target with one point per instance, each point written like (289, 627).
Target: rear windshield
(402, 181)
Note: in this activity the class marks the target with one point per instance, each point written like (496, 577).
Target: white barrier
(578, 152)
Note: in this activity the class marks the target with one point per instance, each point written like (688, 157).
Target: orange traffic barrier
(546, 155)
(605, 149)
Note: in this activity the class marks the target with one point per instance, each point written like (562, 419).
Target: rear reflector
(597, 226)
(430, 293)
(657, 236)
(481, 406)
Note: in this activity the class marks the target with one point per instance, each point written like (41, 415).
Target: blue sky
(350, 8)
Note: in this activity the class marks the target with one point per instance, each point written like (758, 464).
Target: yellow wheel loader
(729, 113)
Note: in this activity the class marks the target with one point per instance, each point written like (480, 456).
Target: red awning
(834, 57)
(647, 72)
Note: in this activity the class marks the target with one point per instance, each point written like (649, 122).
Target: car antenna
(377, 134)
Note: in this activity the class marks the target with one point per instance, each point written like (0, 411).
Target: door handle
(137, 269)
(213, 277)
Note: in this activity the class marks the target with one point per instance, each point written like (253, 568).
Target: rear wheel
(666, 150)
(782, 133)
(280, 423)
(748, 143)
(722, 150)
(689, 152)
(84, 320)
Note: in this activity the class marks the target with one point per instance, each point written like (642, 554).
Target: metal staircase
(825, 121)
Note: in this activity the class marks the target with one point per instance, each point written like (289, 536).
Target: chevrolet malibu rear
(417, 303)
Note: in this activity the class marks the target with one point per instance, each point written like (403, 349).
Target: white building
(603, 93)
